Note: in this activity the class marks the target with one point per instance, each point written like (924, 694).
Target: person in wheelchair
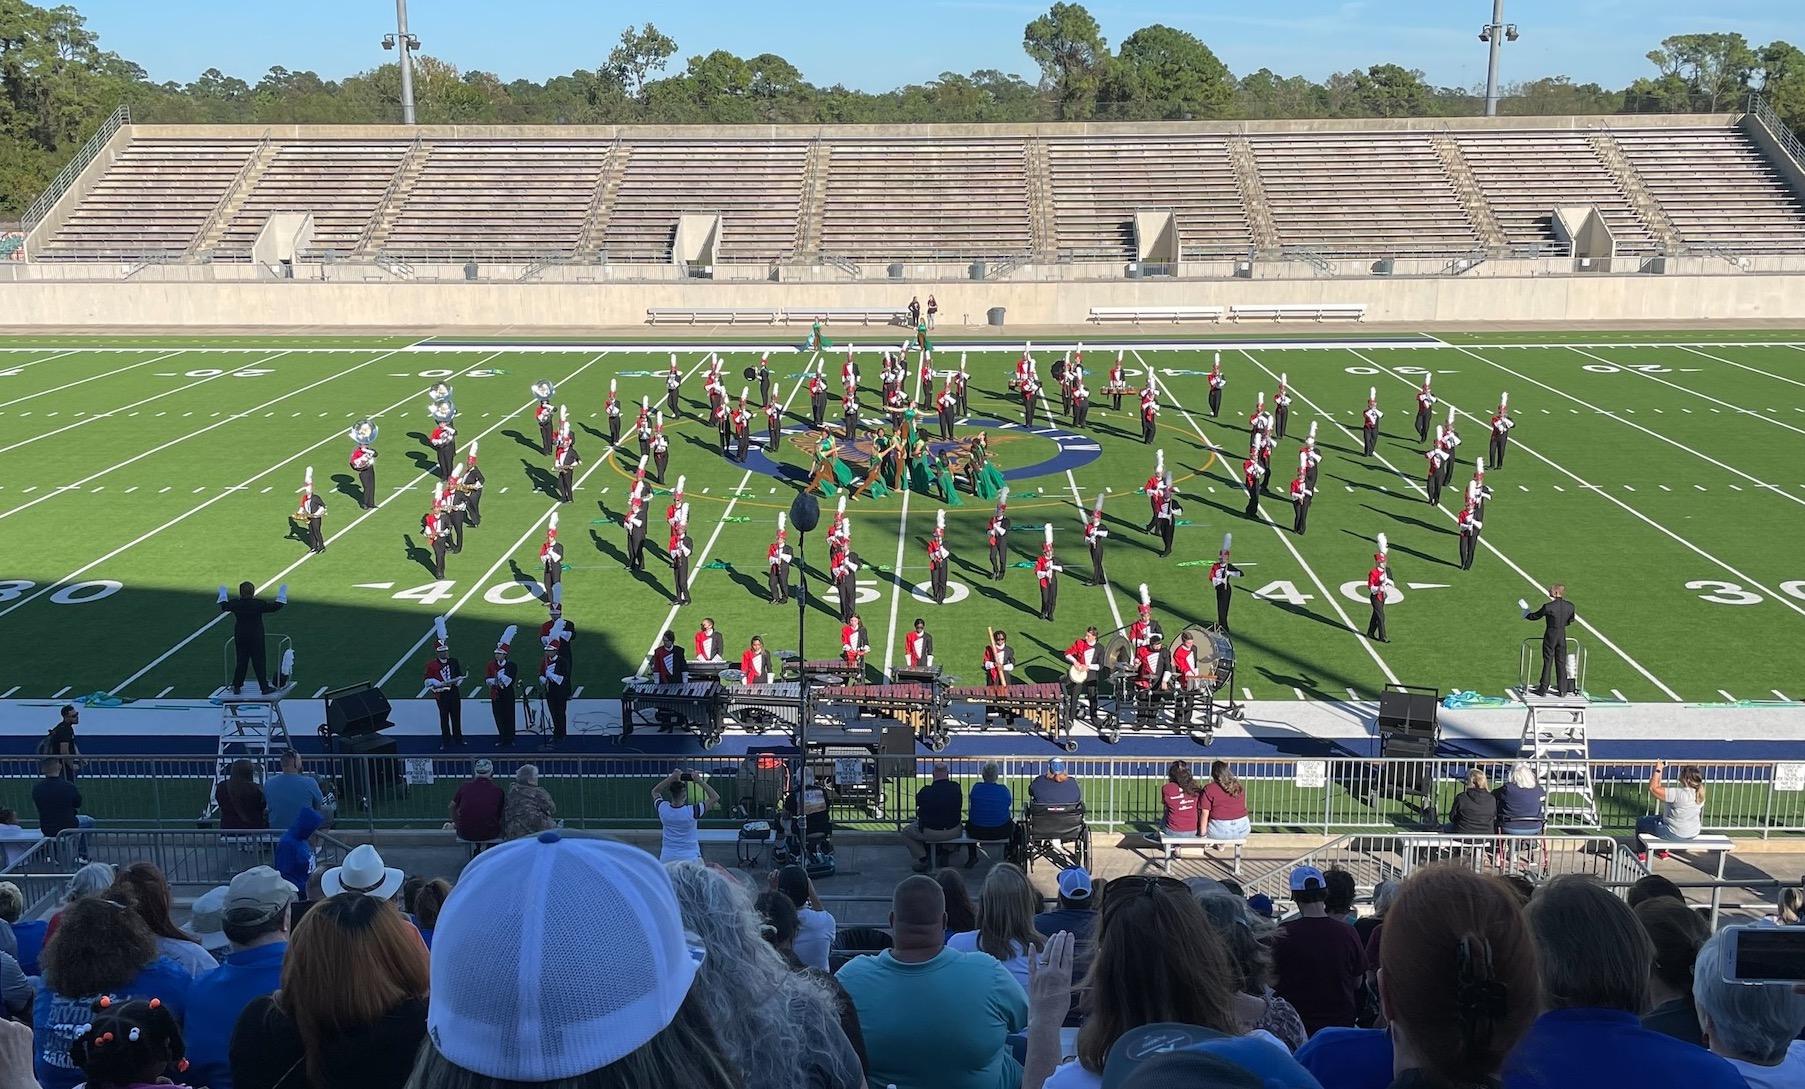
(1056, 833)
(806, 824)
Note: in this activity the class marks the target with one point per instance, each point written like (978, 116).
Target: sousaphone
(364, 432)
(442, 411)
(543, 390)
(439, 392)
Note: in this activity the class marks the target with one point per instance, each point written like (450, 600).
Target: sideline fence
(1284, 794)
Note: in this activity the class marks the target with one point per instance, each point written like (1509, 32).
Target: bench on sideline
(730, 314)
(1172, 846)
(1313, 311)
(1138, 314)
(1721, 846)
(864, 315)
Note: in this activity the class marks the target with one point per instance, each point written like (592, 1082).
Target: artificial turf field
(1662, 482)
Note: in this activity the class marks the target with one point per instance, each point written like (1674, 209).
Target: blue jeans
(1653, 825)
(1238, 828)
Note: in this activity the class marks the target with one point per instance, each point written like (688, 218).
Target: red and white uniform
(1155, 491)
(1149, 404)
(995, 529)
(917, 650)
(1220, 572)
(1184, 664)
(612, 405)
(1084, 653)
(1094, 530)
(544, 413)
(439, 674)
(548, 669)
(1251, 472)
(937, 552)
(1151, 671)
(998, 664)
(1117, 379)
(1046, 568)
(848, 378)
(664, 665)
(1299, 490)
(1468, 522)
(755, 667)
(1502, 423)
(1424, 400)
(1140, 633)
(363, 457)
(441, 434)
(817, 385)
(854, 643)
(1377, 581)
(1370, 418)
(709, 645)
(433, 527)
(777, 557)
(1217, 378)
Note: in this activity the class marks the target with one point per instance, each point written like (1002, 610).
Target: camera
(687, 777)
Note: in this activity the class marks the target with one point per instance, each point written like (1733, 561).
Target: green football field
(1663, 483)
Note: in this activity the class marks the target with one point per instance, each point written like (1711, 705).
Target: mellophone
(1046, 706)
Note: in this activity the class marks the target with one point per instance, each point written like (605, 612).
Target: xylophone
(760, 706)
(914, 705)
(834, 671)
(694, 704)
(1045, 706)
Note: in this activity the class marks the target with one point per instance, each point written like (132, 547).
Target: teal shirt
(940, 1024)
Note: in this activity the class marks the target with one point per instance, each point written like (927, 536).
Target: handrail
(225, 198)
(72, 170)
(368, 234)
(1765, 114)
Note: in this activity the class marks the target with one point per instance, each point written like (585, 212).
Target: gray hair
(1523, 776)
(1385, 894)
(989, 773)
(1755, 1023)
(1590, 949)
(764, 1015)
(91, 880)
(527, 774)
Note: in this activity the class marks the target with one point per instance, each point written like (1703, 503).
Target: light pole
(805, 515)
(1496, 33)
(409, 45)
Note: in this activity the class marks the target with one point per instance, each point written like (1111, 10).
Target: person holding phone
(678, 816)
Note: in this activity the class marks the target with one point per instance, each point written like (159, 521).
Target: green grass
(1623, 517)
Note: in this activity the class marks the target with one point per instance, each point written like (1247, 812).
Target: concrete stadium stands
(155, 197)
(1362, 195)
(1717, 190)
(756, 185)
(1099, 182)
(1567, 171)
(340, 181)
(498, 197)
(897, 199)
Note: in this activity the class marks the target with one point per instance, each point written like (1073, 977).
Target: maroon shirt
(478, 805)
(1222, 805)
(1320, 964)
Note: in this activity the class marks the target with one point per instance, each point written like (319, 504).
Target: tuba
(544, 390)
(439, 392)
(364, 432)
(442, 411)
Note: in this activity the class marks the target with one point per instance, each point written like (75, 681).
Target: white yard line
(1517, 444)
(134, 404)
(8, 694)
(129, 545)
(1333, 598)
(1109, 593)
(1693, 392)
(898, 583)
(284, 573)
(79, 381)
(1746, 367)
(1489, 546)
(234, 417)
(6, 365)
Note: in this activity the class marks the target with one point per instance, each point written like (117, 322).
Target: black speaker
(897, 741)
(1409, 713)
(358, 712)
(379, 768)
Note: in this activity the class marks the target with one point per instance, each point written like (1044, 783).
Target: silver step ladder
(1555, 741)
(251, 726)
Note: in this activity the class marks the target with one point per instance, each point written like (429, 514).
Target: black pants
(545, 438)
(504, 709)
(1554, 656)
(557, 700)
(817, 410)
(439, 547)
(1006, 830)
(1081, 412)
(777, 581)
(1167, 527)
(636, 551)
(660, 461)
(457, 530)
(1369, 440)
(614, 431)
(1215, 401)
(1253, 501)
(670, 399)
(937, 582)
(366, 483)
(316, 541)
(1433, 488)
(1097, 578)
(1280, 417)
(1375, 628)
(1224, 596)
(255, 656)
(998, 561)
(1088, 690)
(1300, 516)
(946, 425)
(1027, 411)
(1049, 597)
(451, 716)
(680, 579)
(473, 508)
(1495, 455)
(742, 444)
(1467, 543)
(1147, 429)
(771, 436)
(847, 590)
(554, 574)
(1422, 425)
(445, 453)
(564, 485)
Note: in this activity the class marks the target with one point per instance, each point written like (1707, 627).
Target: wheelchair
(1055, 834)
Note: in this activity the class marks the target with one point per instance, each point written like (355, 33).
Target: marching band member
(1469, 525)
(1281, 409)
(925, 376)
(762, 374)
(1118, 383)
(1253, 478)
(1149, 412)
(742, 428)
(1165, 520)
(554, 617)
(1153, 676)
(948, 404)
(1263, 447)
(1081, 401)
(839, 530)
(673, 379)
(547, 420)
(642, 427)
(844, 568)
(849, 417)
(710, 645)
(551, 555)
(1501, 425)
(855, 642)
(1220, 572)
(1260, 421)
(1378, 587)
(1184, 677)
(1141, 630)
(680, 548)
(472, 484)
(675, 509)
(1313, 456)
(999, 671)
(1477, 493)
(635, 524)
(1030, 391)
(436, 532)
(1094, 534)
(938, 559)
(1046, 571)
(1217, 381)
(755, 664)
(777, 565)
(1425, 401)
(444, 442)
(998, 532)
(503, 684)
(1085, 672)
(611, 408)
(773, 424)
(554, 678)
(849, 371)
(1437, 458)
(457, 508)
(660, 449)
(817, 396)
(722, 415)
(1064, 378)
(1450, 439)
(1369, 422)
(1300, 498)
(363, 463)
(565, 459)
(918, 647)
(312, 510)
(443, 676)
(668, 666)
(962, 385)
(1155, 488)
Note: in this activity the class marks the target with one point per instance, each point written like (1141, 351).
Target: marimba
(833, 671)
(760, 706)
(914, 705)
(694, 704)
(1045, 707)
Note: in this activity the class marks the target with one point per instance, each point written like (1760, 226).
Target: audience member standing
(921, 991)
(679, 817)
(1319, 959)
(255, 920)
(1006, 908)
(294, 851)
(290, 791)
(1756, 1028)
(60, 741)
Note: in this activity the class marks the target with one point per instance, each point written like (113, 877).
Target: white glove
(282, 593)
(1524, 605)
(222, 595)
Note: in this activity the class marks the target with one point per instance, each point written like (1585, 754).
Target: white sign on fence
(1789, 777)
(1313, 774)
(419, 771)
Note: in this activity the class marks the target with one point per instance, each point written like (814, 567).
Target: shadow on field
(344, 484)
(1439, 530)
(418, 553)
(543, 480)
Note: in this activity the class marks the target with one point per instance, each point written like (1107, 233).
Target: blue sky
(866, 44)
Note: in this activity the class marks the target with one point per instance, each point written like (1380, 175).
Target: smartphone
(1764, 954)
(687, 778)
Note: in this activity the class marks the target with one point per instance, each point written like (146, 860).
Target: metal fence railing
(1293, 794)
(1374, 858)
(72, 170)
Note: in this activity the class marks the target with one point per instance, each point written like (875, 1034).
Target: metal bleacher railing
(1766, 115)
(66, 177)
(1285, 794)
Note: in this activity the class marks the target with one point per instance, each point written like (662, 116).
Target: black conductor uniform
(247, 638)
(1556, 615)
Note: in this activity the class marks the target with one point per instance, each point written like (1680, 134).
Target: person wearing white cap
(250, 919)
(363, 873)
(1319, 960)
(566, 1008)
(1077, 911)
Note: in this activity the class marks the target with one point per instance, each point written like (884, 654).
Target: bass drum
(1215, 657)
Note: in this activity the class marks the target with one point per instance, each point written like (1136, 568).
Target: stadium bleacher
(1099, 182)
(897, 199)
(1717, 190)
(1568, 172)
(1362, 195)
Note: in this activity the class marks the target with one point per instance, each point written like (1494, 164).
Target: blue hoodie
(294, 856)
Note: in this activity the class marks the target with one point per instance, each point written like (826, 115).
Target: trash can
(470, 271)
(896, 271)
(1134, 271)
(978, 270)
(996, 315)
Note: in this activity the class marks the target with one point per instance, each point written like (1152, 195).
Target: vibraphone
(696, 705)
(834, 671)
(1045, 707)
(759, 707)
(917, 706)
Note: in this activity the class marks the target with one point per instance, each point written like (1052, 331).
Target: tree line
(57, 84)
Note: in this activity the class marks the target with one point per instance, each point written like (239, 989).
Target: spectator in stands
(28, 934)
(1652, 887)
(240, 800)
(205, 924)
(60, 742)
(529, 809)
(1756, 1027)
(1244, 939)
(678, 816)
(622, 1012)
(15, 840)
(294, 851)
(1385, 893)
(129, 1045)
(1677, 932)
(780, 929)
(1224, 814)
(1522, 801)
(1475, 809)
(780, 1029)
(255, 921)
(1595, 961)
(1319, 959)
(990, 814)
(1458, 978)
(428, 902)
(1682, 807)
(351, 1011)
(1339, 902)
(1076, 913)
(1006, 907)
(16, 990)
(815, 924)
(12, 905)
(364, 874)
(1055, 787)
(921, 991)
(1181, 799)
(100, 949)
(93, 879)
(1788, 911)
(937, 809)
(289, 792)
(58, 802)
(477, 806)
(143, 888)
(961, 909)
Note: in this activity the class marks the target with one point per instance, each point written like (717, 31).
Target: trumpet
(544, 390)
(364, 432)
